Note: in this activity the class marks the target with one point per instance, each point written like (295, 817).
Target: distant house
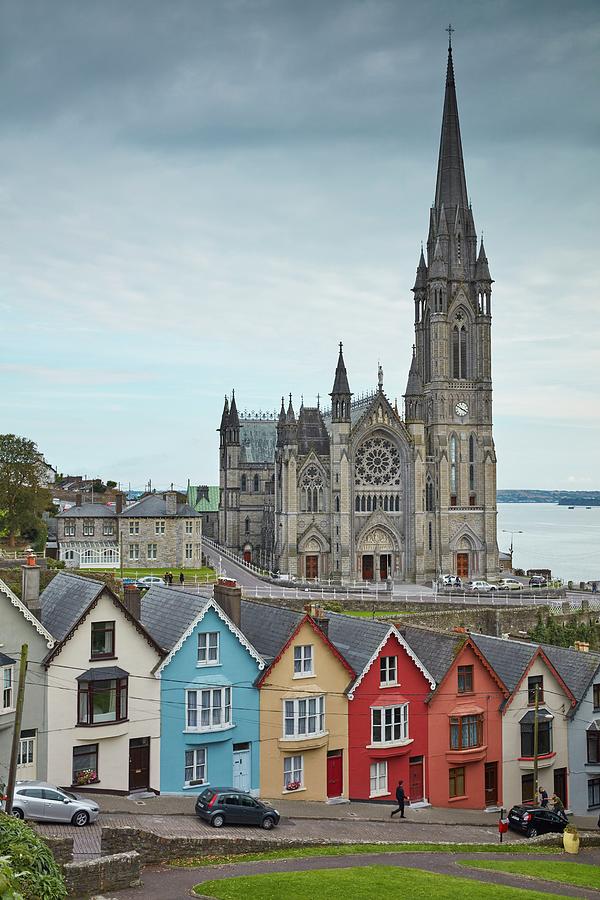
(204, 499)
(156, 532)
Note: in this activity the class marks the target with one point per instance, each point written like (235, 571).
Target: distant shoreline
(561, 498)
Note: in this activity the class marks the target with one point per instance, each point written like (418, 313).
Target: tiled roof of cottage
(268, 627)
(168, 611)
(65, 600)
(508, 659)
(576, 668)
(154, 506)
(435, 649)
(88, 511)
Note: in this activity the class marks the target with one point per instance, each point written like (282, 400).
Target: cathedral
(360, 491)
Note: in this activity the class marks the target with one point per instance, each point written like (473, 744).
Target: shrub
(55, 563)
(35, 870)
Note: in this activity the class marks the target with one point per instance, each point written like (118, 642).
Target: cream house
(103, 699)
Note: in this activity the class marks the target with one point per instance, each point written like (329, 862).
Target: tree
(23, 497)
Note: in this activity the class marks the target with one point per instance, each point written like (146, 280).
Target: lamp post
(508, 531)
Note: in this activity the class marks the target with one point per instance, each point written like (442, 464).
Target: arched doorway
(379, 557)
(247, 553)
(464, 558)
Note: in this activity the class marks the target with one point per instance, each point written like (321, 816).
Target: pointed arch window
(244, 483)
(337, 502)
(311, 491)
(256, 484)
(247, 525)
(459, 349)
(430, 535)
(429, 504)
(453, 470)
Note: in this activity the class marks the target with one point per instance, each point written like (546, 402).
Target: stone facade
(361, 491)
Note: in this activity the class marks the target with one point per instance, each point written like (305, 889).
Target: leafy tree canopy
(23, 496)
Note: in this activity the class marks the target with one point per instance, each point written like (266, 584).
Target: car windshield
(69, 795)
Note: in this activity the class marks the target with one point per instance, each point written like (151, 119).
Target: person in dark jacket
(181, 578)
(400, 800)
(543, 798)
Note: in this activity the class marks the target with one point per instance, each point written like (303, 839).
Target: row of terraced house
(177, 690)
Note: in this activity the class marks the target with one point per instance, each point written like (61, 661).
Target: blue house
(209, 702)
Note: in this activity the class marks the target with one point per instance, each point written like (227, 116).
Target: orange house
(465, 734)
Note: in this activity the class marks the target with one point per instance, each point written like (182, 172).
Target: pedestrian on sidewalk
(181, 578)
(543, 798)
(401, 798)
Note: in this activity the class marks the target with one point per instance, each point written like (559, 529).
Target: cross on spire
(450, 31)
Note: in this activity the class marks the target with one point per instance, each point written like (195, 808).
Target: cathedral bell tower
(229, 474)
(450, 384)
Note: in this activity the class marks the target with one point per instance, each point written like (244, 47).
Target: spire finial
(450, 31)
(318, 401)
(290, 396)
(341, 345)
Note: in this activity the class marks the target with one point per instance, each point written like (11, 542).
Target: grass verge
(352, 849)
(578, 874)
(361, 884)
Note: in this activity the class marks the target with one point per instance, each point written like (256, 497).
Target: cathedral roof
(312, 433)
(451, 185)
(340, 384)
(257, 440)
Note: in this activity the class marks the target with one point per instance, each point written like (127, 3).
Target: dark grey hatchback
(226, 806)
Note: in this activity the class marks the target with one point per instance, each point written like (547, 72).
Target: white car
(45, 802)
(510, 584)
(451, 581)
(482, 586)
(148, 580)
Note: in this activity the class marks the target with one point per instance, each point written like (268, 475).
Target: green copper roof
(197, 497)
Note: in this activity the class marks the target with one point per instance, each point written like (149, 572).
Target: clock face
(461, 409)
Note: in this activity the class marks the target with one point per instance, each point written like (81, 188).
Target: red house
(465, 733)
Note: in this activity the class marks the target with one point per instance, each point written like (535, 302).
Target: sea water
(566, 541)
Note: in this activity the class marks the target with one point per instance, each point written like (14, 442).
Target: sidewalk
(300, 809)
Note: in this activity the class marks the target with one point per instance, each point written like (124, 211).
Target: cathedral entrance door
(367, 567)
(462, 565)
(312, 566)
(385, 566)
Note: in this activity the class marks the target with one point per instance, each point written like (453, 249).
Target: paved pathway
(176, 884)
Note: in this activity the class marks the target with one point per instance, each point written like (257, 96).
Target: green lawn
(196, 862)
(189, 574)
(361, 884)
(579, 874)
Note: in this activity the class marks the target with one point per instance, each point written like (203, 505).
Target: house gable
(393, 632)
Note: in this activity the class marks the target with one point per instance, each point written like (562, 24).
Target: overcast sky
(199, 195)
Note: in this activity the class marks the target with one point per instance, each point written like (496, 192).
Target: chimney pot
(132, 600)
(78, 499)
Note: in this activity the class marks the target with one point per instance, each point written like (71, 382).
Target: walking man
(400, 799)
(181, 578)
(543, 797)
(558, 806)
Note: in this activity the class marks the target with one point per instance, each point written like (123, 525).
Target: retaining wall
(107, 873)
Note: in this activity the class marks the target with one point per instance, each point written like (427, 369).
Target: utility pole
(12, 768)
(535, 742)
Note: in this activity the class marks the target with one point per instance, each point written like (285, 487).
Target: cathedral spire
(421, 279)
(340, 382)
(341, 394)
(234, 419)
(451, 185)
(482, 269)
(225, 416)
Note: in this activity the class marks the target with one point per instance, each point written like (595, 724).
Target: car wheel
(218, 821)
(17, 813)
(268, 823)
(80, 819)
(532, 832)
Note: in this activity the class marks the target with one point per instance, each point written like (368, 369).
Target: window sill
(379, 794)
(217, 729)
(456, 799)
(301, 677)
(194, 787)
(296, 791)
(389, 745)
(101, 724)
(101, 658)
(79, 787)
(593, 765)
(388, 684)
(465, 693)
(208, 665)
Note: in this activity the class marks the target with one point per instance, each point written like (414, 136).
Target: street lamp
(506, 531)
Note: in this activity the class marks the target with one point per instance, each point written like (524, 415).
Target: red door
(415, 779)
(367, 567)
(312, 566)
(462, 565)
(335, 774)
(247, 556)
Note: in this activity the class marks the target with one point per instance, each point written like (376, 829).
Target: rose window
(377, 463)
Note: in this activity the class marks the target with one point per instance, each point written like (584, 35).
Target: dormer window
(208, 648)
(388, 671)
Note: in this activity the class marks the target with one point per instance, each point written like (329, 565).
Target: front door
(367, 567)
(312, 566)
(385, 566)
(560, 785)
(335, 774)
(247, 556)
(462, 565)
(415, 778)
(241, 767)
(491, 784)
(139, 764)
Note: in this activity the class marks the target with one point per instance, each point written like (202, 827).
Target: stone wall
(61, 847)
(108, 873)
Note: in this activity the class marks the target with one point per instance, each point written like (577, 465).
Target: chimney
(78, 499)
(30, 584)
(319, 618)
(132, 600)
(229, 597)
(171, 498)
(119, 503)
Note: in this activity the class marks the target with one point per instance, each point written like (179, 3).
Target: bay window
(304, 718)
(544, 737)
(466, 732)
(209, 709)
(389, 724)
(101, 701)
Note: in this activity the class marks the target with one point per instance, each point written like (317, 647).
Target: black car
(533, 820)
(538, 581)
(226, 806)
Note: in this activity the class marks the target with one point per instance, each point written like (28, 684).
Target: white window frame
(189, 526)
(7, 686)
(293, 770)
(134, 552)
(134, 527)
(88, 528)
(209, 648)
(108, 529)
(199, 526)
(189, 551)
(159, 526)
(70, 529)
(152, 551)
(398, 723)
(201, 704)
(388, 671)
(304, 661)
(27, 749)
(307, 718)
(378, 778)
(197, 761)
(197, 551)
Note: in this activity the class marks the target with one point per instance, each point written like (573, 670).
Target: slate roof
(65, 600)
(257, 440)
(508, 659)
(6, 660)
(356, 638)
(312, 434)
(168, 611)
(154, 506)
(89, 511)
(200, 503)
(576, 669)
(435, 649)
(268, 627)
(102, 673)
